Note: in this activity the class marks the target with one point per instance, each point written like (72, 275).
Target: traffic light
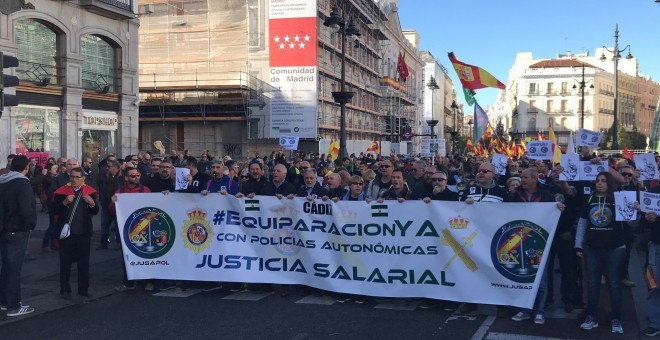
(7, 81)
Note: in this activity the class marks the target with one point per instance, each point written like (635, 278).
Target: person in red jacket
(131, 186)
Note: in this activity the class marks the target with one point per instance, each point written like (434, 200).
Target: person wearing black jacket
(652, 222)
(335, 189)
(164, 181)
(79, 217)
(256, 183)
(311, 187)
(439, 191)
(108, 184)
(279, 186)
(18, 216)
(425, 188)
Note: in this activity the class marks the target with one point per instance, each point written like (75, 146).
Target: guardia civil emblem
(197, 233)
(517, 249)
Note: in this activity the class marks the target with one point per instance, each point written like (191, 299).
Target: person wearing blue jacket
(220, 182)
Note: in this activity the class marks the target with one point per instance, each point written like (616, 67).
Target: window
(564, 87)
(564, 106)
(549, 88)
(37, 52)
(551, 122)
(549, 106)
(532, 88)
(532, 106)
(531, 124)
(98, 64)
(38, 129)
(256, 22)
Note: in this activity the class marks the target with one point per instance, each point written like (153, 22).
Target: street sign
(407, 135)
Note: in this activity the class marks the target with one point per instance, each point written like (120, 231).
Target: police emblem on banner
(517, 249)
(149, 233)
(197, 233)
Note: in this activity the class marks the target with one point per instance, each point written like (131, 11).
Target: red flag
(628, 154)
(402, 68)
(293, 42)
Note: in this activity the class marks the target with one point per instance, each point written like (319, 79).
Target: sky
(489, 33)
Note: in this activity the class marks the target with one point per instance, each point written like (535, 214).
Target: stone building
(78, 63)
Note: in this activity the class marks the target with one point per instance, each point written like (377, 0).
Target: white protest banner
(570, 163)
(648, 169)
(589, 171)
(289, 142)
(499, 162)
(624, 202)
(650, 202)
(182, 178)
(589, 138)
(540, 149)
(475, 253)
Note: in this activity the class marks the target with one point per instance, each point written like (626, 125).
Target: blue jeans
(106, 222)
(12, 248)
(611, 263)
(542, 294)
(653, 300)
(49, 235)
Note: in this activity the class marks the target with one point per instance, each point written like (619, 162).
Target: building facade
(232, 77)
(78, 93)
(573, 88)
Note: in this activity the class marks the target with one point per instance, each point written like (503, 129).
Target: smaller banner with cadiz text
(490, 253)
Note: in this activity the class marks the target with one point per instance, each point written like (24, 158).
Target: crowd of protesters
(591, 248)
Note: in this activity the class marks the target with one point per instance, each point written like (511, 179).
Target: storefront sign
(99, 121)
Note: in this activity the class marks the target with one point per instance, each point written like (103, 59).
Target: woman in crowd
(601, 241)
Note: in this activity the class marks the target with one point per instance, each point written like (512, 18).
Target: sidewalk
(40, 275)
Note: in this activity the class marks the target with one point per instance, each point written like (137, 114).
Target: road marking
(178, 294)
(509, 336)
(483, 329)
(247, 296)
(314, 299)
(399, 304)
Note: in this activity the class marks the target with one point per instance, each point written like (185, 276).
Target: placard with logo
(649, 202)
(539, 149)
(289, 142)
(589, 171)
(589, 138)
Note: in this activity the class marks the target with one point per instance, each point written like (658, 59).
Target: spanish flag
(555, 145)
(513, 150)
(333, 151)
(473, 77)
(375, 147)
(522, 149)
(469, 146)
(488, 133)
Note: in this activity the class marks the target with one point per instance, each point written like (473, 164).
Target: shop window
(37, 52)
(99, 68)
(38, 130)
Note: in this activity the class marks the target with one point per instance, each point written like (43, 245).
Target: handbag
(66, 229)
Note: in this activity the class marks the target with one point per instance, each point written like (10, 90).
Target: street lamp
(454, 132)
(432, 85)
(342, 97)
(583, 85)
(617, 55)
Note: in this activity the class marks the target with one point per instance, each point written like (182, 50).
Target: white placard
(499, 162)
(428, 146)
(289, 142)
(650, 202)
(182, 178)
(571, 165)
(589, 171)
(648, 169)
(624, 202)
(540, 149)
(589, 138)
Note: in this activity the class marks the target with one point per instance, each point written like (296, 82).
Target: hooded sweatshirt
(18, 207)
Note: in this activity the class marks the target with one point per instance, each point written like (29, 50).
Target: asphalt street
(221, 314)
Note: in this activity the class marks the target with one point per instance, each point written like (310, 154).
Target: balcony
(116, 9)
(606, 111)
